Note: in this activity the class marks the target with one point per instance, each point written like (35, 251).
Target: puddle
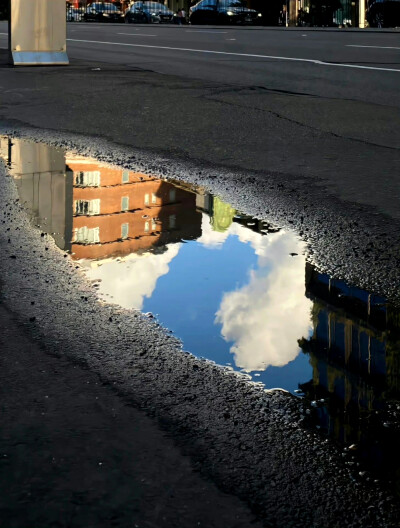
(235, 290)
(229, 286)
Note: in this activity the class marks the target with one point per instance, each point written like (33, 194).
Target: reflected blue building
(355, 355)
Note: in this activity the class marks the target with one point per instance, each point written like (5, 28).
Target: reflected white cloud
(266, 317)
(210, 238)
(263, 319)
(131, 280)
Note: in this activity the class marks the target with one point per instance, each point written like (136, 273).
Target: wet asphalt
(73, 453)
(179, 411)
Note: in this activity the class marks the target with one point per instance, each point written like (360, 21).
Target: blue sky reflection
(234, 296)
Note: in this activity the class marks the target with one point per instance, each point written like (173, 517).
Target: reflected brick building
(117, 212)
(96, 211)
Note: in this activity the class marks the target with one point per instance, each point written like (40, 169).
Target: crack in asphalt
(300, 123)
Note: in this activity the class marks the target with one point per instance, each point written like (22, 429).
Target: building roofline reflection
(355, 355)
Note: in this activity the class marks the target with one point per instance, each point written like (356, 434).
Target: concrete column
(361, 14)
(293, 12)
(37, 34)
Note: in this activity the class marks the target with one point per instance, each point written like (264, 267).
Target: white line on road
(204, 31)
(137, 34)
(251, 55)
(376, 47)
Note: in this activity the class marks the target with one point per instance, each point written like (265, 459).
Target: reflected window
(124, 230)
(87, 178)
(125, 176)
(172, 221)
(153, 198)
(85, 235)
(125, 203)
(146, 199)
(172, 195)
(87, 207)
(146, 227)
(153, 224)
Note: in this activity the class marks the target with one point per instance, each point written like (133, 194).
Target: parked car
(102, 12)
(223, 12)
(75, 14)
(148, 12)
(384, 13)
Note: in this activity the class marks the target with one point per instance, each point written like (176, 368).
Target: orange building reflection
(117, 211)
(96, 211)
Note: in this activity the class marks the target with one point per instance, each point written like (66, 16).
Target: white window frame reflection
(87, 235)
(87, 179)
(125, 203)
(124, 231)
(172, 221)
(172, 195)
(87, 207)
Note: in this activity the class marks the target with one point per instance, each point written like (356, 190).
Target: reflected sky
(234, 296)
(232, 288)
(130, 280)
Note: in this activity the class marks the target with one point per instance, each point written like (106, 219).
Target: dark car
(384, 13)
(103, 12)
(148, 12)
(223, 12)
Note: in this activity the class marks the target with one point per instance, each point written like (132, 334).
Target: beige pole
(38, 32)
(361, 14)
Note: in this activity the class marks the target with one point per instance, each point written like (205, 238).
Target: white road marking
(250, 55)
(230, 39)
(376, 47)
(204, 31)
(137, 34)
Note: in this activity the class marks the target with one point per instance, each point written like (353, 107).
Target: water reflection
(255, 316)
(354, 353)
(235, 290)
(225, 283)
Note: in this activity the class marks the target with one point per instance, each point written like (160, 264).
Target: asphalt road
(356, 66)
(309, 124)
(251, 56)
(306, 103)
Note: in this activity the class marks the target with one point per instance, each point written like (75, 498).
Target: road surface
(321, 104)
(302, 124)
